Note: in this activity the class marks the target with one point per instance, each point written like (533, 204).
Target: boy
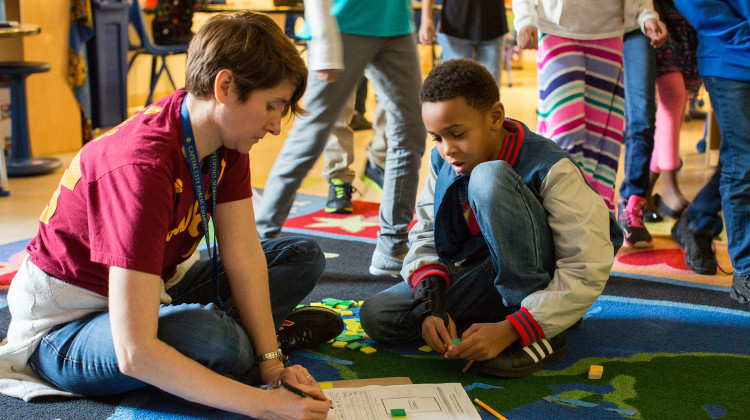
(511, 246)
(93, 311)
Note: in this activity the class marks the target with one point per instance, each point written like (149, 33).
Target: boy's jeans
(521, 261)
(80, 357)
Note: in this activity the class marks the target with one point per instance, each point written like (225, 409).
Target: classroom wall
(54, 120)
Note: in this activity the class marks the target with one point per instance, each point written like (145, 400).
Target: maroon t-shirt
(127, 200)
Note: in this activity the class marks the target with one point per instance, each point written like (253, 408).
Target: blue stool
(21, 163)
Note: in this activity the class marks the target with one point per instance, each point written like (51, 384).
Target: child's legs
(561, 89)
(338, 153)
(387, 317)
(604, 114)
(377, 150)
(454, 48)
(639, 61)
(669, 115)
(80, 356)
(489, 54)
(514, 225)
(396, 77)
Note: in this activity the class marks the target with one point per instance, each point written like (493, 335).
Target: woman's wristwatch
(272, 355)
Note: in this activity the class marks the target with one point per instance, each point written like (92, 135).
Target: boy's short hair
(253, 48)
(461, 77)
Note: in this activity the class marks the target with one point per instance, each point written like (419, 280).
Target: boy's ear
(222, 85)
(497, 113)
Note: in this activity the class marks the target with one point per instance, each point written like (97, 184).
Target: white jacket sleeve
(422, 237)
(324, 49)
(579, 221)
(524, 12)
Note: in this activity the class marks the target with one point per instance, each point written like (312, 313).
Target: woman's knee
(208, 336)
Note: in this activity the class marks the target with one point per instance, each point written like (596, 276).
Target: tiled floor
(20, 211)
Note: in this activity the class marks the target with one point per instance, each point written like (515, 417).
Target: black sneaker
(740, 290)
(359, 122)
(339, 197)
(699, 255)
(308, 327)
(374, 176)
(630, 219)
(517, 361)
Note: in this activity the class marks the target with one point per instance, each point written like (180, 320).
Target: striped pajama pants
(581, 105)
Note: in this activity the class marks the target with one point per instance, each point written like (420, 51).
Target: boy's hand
(527, 38)
(485, 341)
(437, 336)
(656, 31)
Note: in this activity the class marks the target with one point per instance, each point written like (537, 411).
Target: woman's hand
(285, 405)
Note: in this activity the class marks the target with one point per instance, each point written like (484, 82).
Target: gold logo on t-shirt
(178, 186)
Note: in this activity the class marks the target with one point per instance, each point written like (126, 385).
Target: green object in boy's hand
(455, 341)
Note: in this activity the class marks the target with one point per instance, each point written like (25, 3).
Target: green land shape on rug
(655, 385)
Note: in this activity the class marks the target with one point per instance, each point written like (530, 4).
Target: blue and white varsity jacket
(586, 235)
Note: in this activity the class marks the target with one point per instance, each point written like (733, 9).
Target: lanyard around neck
(195, 171)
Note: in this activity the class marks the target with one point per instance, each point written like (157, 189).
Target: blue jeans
(522, 260)
(79, 356)
(730, 100)
(487, 53)
(639, 61)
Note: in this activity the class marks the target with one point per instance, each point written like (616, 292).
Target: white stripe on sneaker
(539, 350)
(546, 344)
(531, 354)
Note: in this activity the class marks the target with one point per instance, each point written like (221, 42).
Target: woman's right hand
(285, 405)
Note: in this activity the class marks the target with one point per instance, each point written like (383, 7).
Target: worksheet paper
(420, 401)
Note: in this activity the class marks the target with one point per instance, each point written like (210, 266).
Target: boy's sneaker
(699, 255)
(630, 219)
(308, 327)
(385, 265)
(339, 197)
(740, 290)
(517, 361)
(374, 176)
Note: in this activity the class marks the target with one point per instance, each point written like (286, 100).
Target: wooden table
(19, 30)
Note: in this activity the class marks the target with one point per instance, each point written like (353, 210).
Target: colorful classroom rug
(670, 348)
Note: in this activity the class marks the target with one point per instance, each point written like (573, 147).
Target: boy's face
(245, 123)
(464, 136)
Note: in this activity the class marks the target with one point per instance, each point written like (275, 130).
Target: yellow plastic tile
(368, 350)
(339, 344)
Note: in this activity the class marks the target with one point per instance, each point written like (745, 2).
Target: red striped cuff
(526, 326)
(430, 270)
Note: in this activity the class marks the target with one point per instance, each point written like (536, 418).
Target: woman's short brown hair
(253, 48)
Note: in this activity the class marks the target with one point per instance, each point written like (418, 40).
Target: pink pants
(669, 115)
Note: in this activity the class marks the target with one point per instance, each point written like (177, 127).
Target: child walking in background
(677, 80)
(511, 245)
(579, 60)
